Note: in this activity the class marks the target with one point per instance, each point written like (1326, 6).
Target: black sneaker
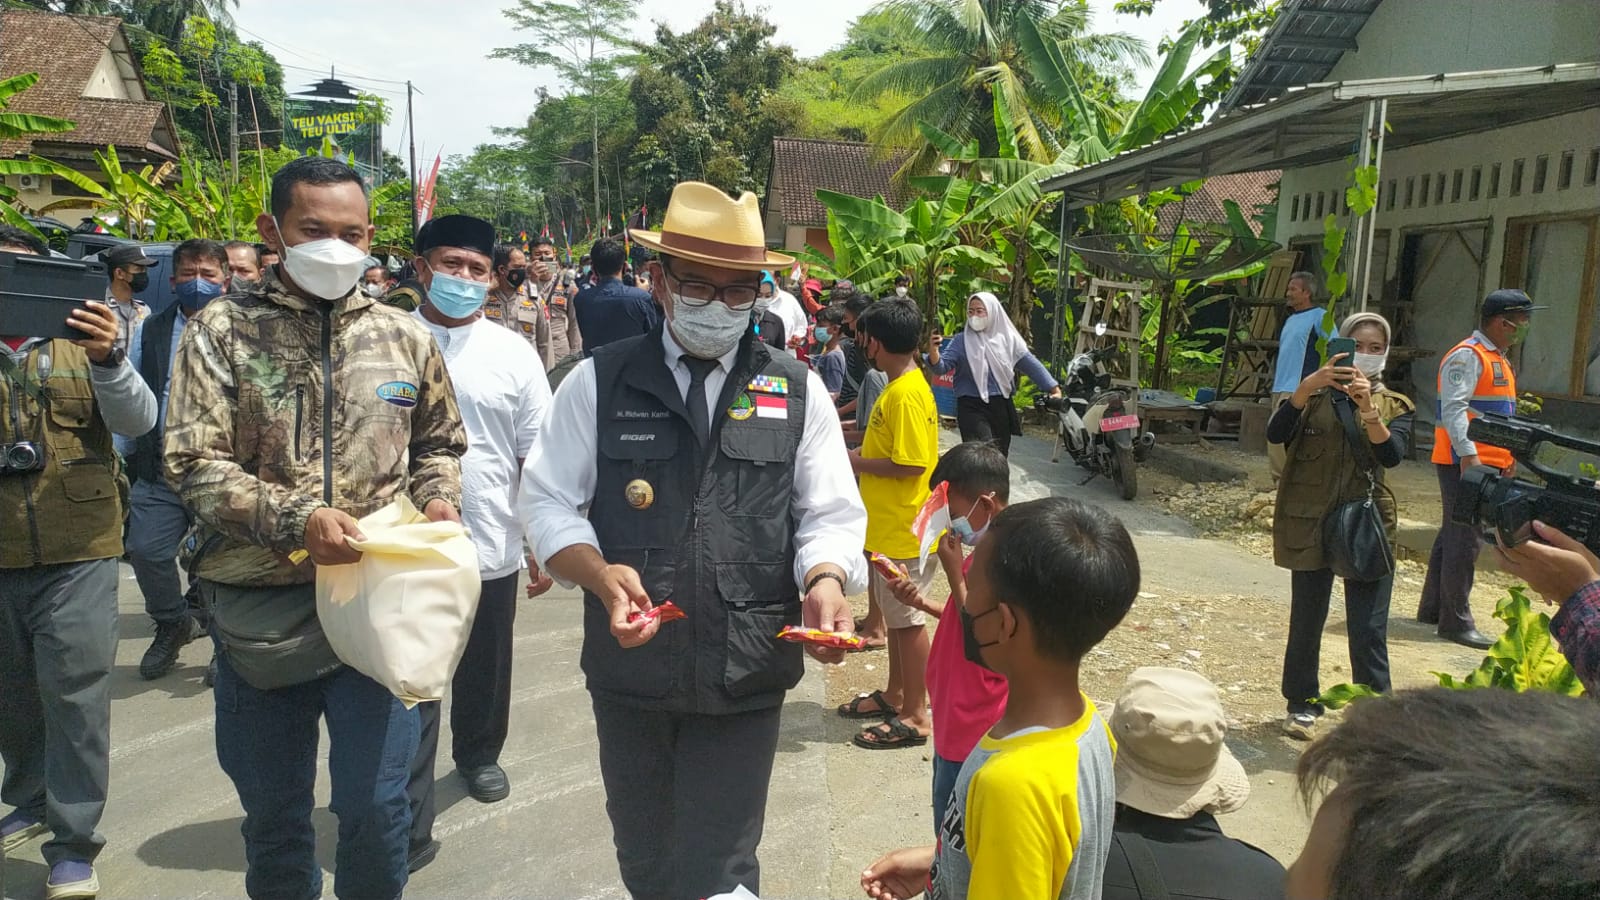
(163, 652)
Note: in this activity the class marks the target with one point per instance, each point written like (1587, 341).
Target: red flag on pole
(425, 194)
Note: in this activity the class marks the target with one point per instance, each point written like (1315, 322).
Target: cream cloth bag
(401, 616)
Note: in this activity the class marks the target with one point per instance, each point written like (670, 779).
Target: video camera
(1505, 507)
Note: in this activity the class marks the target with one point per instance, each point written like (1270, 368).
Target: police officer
(130, 275)
(714, 475)
(1474, 378)
(60, 536)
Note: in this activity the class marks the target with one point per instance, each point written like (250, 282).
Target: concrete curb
(1193, 468)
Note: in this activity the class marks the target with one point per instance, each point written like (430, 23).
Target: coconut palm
(971, 55)
(167, 18)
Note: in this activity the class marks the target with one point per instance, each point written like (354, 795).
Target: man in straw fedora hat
(1174, 775)
(698, 465)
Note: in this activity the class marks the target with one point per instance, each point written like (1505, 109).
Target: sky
(443, 48)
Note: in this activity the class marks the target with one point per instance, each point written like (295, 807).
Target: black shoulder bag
(1355, 544)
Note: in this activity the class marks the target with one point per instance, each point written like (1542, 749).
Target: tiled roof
(1250, 190)
(64, 51)
(802, 166)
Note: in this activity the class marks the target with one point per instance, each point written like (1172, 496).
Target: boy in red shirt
(966, 699)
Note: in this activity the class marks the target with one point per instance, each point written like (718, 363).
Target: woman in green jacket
(1341, 403)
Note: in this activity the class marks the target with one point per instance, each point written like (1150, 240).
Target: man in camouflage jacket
(297, 407)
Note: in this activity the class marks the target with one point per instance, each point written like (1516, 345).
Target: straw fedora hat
(707, 226)
(1171, 759)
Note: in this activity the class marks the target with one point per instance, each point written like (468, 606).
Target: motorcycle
(1095, 426)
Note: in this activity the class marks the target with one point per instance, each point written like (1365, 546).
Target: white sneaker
(1300, 726)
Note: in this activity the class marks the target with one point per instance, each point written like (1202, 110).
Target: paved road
(172, 822)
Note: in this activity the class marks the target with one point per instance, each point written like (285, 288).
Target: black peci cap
(466, 232)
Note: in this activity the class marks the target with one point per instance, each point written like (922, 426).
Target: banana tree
(138, 206)
(873, 242)
(18, 125)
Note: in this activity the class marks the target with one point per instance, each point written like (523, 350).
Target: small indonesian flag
(770, 407)
(932, 520)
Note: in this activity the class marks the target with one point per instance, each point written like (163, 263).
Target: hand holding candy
(835, 639)
(667, 611)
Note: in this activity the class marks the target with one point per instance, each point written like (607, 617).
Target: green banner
(307, 122)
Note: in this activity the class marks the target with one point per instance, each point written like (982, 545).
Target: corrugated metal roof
(1303, 45)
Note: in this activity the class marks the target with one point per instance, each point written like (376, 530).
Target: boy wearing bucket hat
(695, 464)
(1174, 775)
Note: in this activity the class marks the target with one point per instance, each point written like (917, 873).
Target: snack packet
(666, 611)
(841, 640)
(886, 566)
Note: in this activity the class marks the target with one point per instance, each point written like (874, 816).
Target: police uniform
(726, 526)
(1475, 377)
(60, 536)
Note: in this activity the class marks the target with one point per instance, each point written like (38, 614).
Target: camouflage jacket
(260, 380)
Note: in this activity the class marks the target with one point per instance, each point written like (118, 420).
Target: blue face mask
(456, 298)
(192, 295)
(963, 529)
(822, 335)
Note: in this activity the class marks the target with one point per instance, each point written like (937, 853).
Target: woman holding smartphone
(1339, 426)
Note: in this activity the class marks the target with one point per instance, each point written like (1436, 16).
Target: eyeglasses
(695, 294)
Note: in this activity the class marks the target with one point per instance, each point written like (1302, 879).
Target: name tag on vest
(1499, 370)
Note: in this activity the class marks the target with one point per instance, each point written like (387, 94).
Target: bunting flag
(566, 238)
(931, 521)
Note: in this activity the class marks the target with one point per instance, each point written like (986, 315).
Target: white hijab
(996, 349)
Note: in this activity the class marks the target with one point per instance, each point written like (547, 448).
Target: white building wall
(1424, 37)
(1320, 187)
(107, 81)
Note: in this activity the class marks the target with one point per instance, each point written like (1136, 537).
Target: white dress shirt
(558, 480)
(792, 314)
(1458, 384)
(503, 394)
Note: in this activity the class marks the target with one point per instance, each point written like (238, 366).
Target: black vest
(716, 535)
(155, 367)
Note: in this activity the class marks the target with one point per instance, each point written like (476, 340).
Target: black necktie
(699, 414)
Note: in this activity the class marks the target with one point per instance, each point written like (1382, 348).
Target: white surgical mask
(326, 269)
(708, 331)
(1370, 364)
(900, 291)
(978, 323)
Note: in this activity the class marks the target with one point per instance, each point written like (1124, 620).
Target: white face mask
(708, 331)
(901, 291)
(326, 269)
(978, 323)
(1370, 364)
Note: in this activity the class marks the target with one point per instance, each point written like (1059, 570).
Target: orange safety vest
(1496, 392)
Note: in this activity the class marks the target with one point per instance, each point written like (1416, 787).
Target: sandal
(866, 642)
(853, 710)
(892, 734)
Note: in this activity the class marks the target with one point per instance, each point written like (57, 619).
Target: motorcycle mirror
(1100, 329)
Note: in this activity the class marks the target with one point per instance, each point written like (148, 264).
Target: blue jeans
(944, 784)
(267, 743)
(157, 521)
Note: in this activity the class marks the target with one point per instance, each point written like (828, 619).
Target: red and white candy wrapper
(886, 567)
(841, 640)
(666, 611)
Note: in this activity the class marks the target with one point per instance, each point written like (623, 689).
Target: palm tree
(971, 54)
(166, 18)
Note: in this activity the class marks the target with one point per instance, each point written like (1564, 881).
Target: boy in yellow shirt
(898, 451)
(1031, 815)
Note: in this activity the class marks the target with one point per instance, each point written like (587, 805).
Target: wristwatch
(112, 360)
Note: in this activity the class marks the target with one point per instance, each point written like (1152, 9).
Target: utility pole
(233, 129)
(411, 125)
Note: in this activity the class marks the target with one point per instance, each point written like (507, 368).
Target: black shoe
(1469, 638)
(210, 679)
(420, 856)
(486, 784)
(163, 652)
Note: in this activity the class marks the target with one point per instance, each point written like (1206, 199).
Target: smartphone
(1344, 345)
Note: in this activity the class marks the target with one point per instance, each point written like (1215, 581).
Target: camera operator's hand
(1555, 566)
(1332, 375)
(1467, 462)
(99, 322)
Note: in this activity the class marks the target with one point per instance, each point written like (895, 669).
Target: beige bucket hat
(1171, 759)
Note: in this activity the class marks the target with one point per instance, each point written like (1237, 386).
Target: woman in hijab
(1340, 425)
(987, 356)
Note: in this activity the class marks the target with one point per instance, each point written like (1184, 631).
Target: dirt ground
(1213, 602)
